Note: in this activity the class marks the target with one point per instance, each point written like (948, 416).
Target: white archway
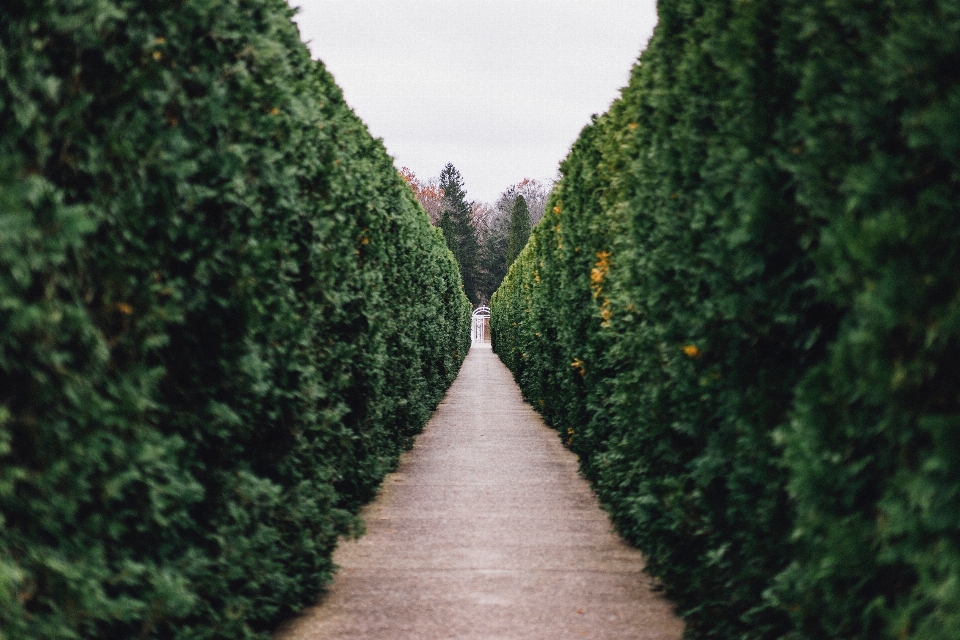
(481, 320)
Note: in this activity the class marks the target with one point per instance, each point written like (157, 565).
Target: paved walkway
(486, 532)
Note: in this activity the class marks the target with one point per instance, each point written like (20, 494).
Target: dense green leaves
(222, 317)
(740, 311)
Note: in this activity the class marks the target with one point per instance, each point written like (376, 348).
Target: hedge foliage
(222, 317)
(743, 313)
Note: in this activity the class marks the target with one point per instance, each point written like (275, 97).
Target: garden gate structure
(480, 329)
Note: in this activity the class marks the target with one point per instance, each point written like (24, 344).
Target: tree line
(484, 238)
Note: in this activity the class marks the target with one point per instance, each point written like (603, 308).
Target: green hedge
(222, 317)
(743, 315)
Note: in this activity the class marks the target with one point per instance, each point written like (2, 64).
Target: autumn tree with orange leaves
(428, 193)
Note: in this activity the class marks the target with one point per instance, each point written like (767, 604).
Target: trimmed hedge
(742, 315)
(222, 317)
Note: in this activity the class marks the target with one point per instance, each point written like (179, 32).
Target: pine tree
(446, 226)
(459, 232)
(519, 229)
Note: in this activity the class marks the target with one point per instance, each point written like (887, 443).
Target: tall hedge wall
(743, 313)
(222, 317)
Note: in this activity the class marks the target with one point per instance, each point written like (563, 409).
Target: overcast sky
(500, 88)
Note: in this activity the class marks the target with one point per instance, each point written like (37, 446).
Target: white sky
(500, 88)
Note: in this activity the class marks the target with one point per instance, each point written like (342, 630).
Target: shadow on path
(485, 532)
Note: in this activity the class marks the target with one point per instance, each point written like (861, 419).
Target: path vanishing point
(487, 532)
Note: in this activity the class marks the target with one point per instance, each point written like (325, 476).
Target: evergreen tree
(519, 229)
(459, 233)
(446, 226)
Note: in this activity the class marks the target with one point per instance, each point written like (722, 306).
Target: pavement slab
(487, 532)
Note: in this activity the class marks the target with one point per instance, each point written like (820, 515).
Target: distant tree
(493, 230)
(519, 229)
(493, 254)
(460, 234)
(533, 191)
(481, 215)
(446, 225)
(428, 193)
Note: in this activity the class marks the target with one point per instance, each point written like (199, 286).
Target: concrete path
(486, 532)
